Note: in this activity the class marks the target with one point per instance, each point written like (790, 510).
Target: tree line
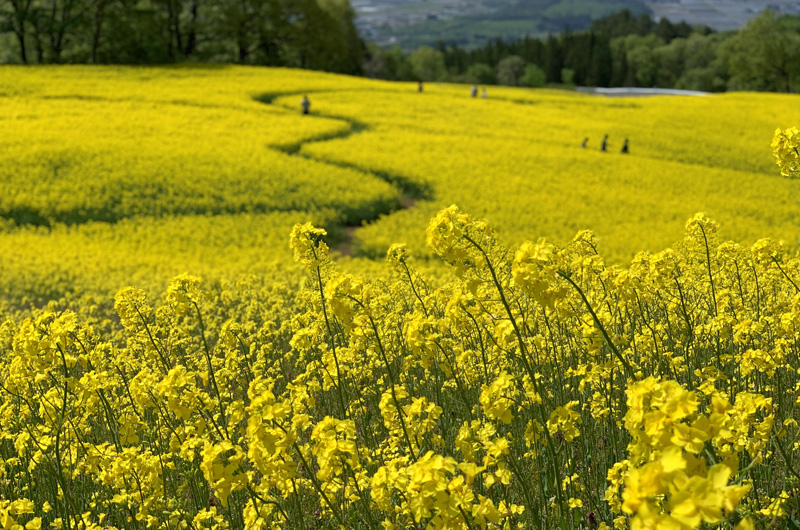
(618, 50)
(315, 34)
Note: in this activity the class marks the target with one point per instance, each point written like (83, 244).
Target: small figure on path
(420, 88)
(473, 92)
(484, 93)
(305, 104)
(625, 147)
(604, 144)
(584, 142)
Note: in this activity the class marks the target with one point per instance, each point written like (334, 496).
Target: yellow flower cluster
(538, 387)
(785, 147)
(669, 481)
(498, 398)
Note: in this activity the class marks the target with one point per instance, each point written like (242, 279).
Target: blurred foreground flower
(786, 148)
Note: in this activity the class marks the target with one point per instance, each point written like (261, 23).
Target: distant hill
(720, 15)
(412, 23)
(470, 24)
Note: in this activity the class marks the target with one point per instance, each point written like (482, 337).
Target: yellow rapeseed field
(516, 157)
(83, 144)
(644, 375)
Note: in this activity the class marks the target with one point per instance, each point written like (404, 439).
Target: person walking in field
(604, 144)
(420, 87)
(584, 142)
(625, 147)
(305, 104)
(473, 92)
(484, 94)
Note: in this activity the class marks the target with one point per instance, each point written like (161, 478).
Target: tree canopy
(315, 34)
(629, 50)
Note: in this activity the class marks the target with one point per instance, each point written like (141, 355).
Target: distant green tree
(376, 62)
(641, 59)
(670, 60)
(399, 66)
(620, 73)
(703, 68)
(765, 55)
(665, 30)
(705, 79)
(428, 64)
(317, 34)
(534, 76)
(532, 50)
(343, 44)
(16, 16)
(481, 73)
(577, 55)
(553, 59)
(391, 64)
(567, 76)
(601, 66)
(242, 27)
(510, 70)
(624, 23)
(456, 60)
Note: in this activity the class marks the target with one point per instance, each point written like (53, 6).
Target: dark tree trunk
(57, 28)
(172, 30)
(241, 43)
(23, 54)
(191, 37)
(19, 17)
(175, 19)
(53, 31)
(98, 28)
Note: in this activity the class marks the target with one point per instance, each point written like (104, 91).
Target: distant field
(120, 175)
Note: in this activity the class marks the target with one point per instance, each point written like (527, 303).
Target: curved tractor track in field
(343, 236)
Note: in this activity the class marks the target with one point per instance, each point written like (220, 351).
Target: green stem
(340, 383)
(625, 363)
(708, 264)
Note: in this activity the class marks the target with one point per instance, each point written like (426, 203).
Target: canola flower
(537, 388)
(533, 386)
(785, 147)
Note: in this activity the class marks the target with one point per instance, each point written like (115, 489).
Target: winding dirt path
(344, 240)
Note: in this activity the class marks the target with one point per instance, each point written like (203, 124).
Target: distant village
(379, 19)
(375, 16)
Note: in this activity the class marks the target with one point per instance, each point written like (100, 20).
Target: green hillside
(512, 19)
